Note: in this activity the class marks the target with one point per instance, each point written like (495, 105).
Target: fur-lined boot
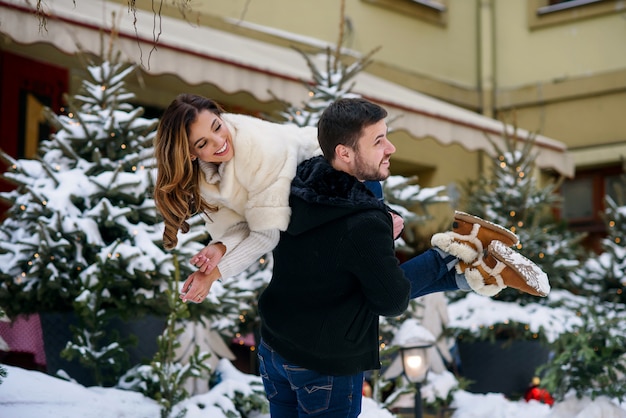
(501, 267)
(470, 237)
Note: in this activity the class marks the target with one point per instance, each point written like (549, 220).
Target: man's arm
(373, 261)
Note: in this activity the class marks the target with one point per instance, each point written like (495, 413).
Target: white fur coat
(254, 186)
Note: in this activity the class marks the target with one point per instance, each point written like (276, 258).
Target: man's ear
(343, 153)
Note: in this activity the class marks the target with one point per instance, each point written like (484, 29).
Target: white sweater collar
(213, 173)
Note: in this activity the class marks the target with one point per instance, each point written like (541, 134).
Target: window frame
(432, 11)
(541, 14)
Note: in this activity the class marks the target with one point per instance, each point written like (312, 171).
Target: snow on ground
(31, 394)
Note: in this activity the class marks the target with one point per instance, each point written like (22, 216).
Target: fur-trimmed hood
(318, 184)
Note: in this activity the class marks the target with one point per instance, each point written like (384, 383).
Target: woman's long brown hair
(177, 193)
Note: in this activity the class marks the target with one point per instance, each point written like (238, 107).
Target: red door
(26, 86)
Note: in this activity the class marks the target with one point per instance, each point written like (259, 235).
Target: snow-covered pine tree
(332, 83)
(512, 197)
(82, 201)
(82, 233)
(590, 359)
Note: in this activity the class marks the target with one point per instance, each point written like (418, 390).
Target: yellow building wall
(587, 122)
(407, 43)
(574, 48)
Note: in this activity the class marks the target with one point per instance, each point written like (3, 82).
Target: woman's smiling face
(209, 138)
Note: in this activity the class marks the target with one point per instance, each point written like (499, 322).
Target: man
(335, 270)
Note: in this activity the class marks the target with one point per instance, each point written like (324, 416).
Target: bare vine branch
(342, 13)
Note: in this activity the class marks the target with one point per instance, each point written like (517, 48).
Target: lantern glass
(415, 362)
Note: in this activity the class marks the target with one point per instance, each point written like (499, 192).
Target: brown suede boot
(470, 236)
(502, 267)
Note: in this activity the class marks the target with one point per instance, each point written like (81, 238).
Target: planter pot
(57, 332)
(443, 412)
(505, 366)
(146, 329)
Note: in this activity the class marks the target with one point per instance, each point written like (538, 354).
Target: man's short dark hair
(343, 121)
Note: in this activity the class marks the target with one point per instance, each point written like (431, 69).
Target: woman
(234, 169)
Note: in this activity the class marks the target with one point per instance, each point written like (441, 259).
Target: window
(429, 10)
(579, 190)
(543, 13)
(584, 197)
(584, 202)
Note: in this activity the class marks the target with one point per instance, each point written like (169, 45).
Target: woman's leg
(432, 271)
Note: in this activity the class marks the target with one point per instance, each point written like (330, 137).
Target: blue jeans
(294, 391)
(428, 272)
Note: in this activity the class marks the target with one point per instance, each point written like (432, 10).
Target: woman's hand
(208, 258)
(198, 285)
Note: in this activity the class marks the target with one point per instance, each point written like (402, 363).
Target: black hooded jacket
(335, 271)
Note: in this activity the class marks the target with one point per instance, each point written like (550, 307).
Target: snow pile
(475, 311)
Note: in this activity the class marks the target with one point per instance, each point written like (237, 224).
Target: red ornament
(367, 389)
(538, 394)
